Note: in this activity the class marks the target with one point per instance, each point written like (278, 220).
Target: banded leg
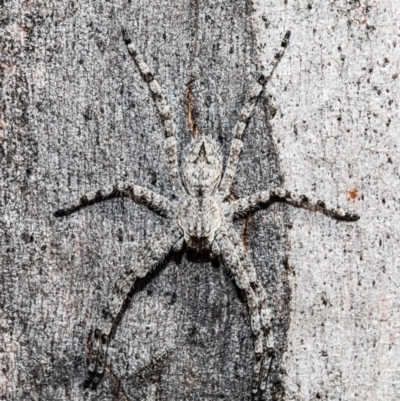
(265, 312)
(245, 114)
(233, 263)
(138, 194)
(154, 252)
(266, 198)
(165, 113)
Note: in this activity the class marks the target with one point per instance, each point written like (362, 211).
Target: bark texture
(76, 116)
(337, 130)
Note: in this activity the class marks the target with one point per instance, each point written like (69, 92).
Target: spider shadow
(217, 263)
(92, 381)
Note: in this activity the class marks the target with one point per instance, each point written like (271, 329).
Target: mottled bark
(76, 116)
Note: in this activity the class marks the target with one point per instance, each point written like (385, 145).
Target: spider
(201, 217)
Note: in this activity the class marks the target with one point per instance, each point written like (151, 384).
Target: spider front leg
(244, 117)
(138, 194)
(265, 198)
(232, 261)
(171, 149)
(154, 252)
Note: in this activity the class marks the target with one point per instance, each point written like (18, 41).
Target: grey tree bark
(76, 116)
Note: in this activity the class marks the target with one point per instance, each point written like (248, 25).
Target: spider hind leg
(233, 263)
(154, 252)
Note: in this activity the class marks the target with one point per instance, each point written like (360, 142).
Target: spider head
(202, 168)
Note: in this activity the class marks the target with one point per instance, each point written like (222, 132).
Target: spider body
(202, 218)
(200, 212)
(202, 168)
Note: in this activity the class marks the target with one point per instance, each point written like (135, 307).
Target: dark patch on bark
(55, 286)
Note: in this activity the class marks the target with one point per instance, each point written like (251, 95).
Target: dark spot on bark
(26, 237)
(153, 177)
(173, 299)
(120, 235)
(87, 114)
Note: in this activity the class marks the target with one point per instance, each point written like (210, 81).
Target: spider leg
(244, 117)
(232, 261)
(163, 108)
(138, 194)
(266, 198)
(265, 311)
(154, 252)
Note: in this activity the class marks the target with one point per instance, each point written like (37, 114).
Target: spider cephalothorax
(202, 218)
(201, 168)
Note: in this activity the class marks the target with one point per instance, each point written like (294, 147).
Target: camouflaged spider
(201, 217)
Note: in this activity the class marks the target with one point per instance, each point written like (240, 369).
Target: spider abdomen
(199, 219)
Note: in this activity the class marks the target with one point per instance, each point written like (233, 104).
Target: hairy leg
(138, 194)
(244, 116)
(163, 108)
(266, 198)
(265, 311)
(154, 252)
(232, 261)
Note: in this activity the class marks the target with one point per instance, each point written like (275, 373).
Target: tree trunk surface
(76, 116)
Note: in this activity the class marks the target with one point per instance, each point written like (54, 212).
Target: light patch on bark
(337, 131)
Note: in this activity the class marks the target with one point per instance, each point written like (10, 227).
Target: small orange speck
(353, 194)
